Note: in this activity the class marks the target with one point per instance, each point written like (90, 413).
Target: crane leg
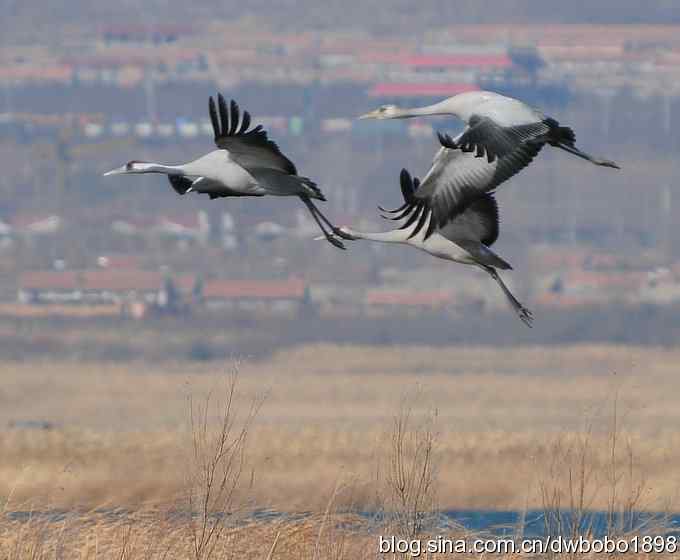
(336, 230)
(318, 217)
(524, 314)
(575, 151)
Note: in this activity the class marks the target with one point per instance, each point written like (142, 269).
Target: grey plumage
(246, 163)
(501, 137)
(249, 148)
(484, 137)
(457, 178)
(465, 237)
(278, 183)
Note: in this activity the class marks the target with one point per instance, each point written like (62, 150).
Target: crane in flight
(465, 238)
(245, 163)
(503, 133)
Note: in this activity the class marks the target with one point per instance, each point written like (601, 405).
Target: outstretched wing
(477, 221)
(457, 178)
(415, 211)
(485, 137)
(249, 148)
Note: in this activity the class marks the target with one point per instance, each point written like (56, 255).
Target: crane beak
(118, 171)
(372, 115)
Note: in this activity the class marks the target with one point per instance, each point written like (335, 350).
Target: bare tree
(218, 463)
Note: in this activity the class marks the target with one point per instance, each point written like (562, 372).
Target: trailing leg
(336, 230)
(313, 210)
(524, 314)
(574, 150)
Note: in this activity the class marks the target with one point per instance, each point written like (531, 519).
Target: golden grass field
(510, 428)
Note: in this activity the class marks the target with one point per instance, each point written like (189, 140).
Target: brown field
(121, 432)
(510, 429)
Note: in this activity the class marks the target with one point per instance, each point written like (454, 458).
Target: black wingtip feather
(413, 217)
(395, 211)
(404, 177)
(213, 117)
(414, 209)
(245, 124)
(233, 117)
(400, 216)
(407, 188)
(446, 141)
(224, 114)
(227, 121)
(421, 222)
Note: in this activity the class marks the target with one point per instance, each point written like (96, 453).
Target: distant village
(553, 60)
(557, 61)
(118, 285)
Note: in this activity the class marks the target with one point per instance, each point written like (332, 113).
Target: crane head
(130, 167)
(383, 112)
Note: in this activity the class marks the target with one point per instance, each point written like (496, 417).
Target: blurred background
(123, 304)
(123, 268)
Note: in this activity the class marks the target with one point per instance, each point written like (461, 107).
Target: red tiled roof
(184, 283)
(419, 90)
(129, 58)
(120, 261)
(61, 73)
(49, 280)
(562, 258)
(480, 61)
(583, 278)
(144, 30)
(559, 34)
(549, 299)
(254, 289)
(428, 299)
(121, 280)
(586, 53)
(385, 57)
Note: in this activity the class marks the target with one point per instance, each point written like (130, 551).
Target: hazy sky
(385, 16)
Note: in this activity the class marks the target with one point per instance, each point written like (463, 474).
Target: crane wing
(485, 137)
(180, 183)
(478, 222)
(457, 178)
(249, 148)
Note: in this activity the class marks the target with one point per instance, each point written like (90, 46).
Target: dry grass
(150, 534)
(122, 432)
(328, 440)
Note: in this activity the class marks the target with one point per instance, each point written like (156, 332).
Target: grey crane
(503, 133)
(464, 238)
(246, 163)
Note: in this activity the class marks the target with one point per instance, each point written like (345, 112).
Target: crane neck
(393, 236)
(149, 167)
(441, 108)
